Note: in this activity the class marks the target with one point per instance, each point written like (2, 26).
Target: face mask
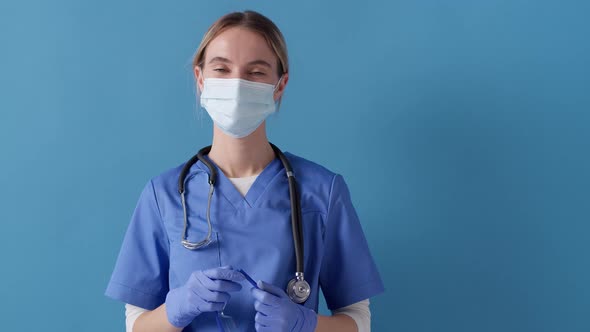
(237, 106)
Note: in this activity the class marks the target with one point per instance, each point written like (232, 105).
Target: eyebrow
(260, 62)
(255, 62)
(219, 59)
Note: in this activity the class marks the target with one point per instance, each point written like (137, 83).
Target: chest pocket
(184, 261)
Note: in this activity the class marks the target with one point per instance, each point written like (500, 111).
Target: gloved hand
(204, 291)
(276, 312)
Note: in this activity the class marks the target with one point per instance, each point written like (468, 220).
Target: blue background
(461, 127)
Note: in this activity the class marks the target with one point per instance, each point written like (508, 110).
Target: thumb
(269, 288)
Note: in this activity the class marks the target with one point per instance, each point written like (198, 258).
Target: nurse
(241, 72)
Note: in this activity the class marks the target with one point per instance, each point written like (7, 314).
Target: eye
(257, 73)
(220, 70)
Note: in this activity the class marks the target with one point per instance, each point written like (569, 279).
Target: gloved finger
(265, 297)
(208, 295)
(263, 308)
(226, 286)
(214, 296)
(211, 306)
(271, 288)
(262, 328)
(217, 284)
(265, 320)
(224, 273)
(201, 299)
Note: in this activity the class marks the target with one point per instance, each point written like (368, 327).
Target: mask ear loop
(200, 109)
(278, 102)
(278, 83)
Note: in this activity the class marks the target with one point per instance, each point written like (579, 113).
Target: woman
(170, 282)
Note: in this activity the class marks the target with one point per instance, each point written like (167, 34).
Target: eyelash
(223, 70)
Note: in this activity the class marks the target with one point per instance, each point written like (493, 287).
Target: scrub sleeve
(348, 272)
(140, 276)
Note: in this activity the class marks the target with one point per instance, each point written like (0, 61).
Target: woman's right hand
(204, 291)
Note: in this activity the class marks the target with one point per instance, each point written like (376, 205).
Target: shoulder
(167, 178)
(307, 170)
(164, 188)
(317, 183)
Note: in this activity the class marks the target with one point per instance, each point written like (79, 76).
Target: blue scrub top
(252, 233)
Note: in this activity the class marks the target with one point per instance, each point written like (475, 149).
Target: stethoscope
(298, 289)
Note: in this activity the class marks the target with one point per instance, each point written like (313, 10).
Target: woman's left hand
(276, 312)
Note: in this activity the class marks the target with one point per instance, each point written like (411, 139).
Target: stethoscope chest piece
(298, 289)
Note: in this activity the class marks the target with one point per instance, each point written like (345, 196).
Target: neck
(241, 157)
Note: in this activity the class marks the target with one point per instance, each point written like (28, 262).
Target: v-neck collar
(227, 189)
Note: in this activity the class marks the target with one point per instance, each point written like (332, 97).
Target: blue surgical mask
(238, 106)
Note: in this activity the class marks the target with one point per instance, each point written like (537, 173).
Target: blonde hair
(255, 22)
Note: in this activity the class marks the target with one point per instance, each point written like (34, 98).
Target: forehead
(240, 46)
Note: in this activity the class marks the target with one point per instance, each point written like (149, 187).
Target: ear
(198, 78)
(281, 88)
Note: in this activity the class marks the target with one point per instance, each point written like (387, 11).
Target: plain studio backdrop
(461, 127)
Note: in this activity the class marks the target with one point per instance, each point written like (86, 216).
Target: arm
(359, 312)
(337, 322)
(131, 314)
(354, 318)
(154, 321)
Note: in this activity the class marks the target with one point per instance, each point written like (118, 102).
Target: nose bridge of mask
(215, 88)
(238, 89)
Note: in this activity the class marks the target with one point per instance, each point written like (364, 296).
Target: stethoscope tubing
(298, 283)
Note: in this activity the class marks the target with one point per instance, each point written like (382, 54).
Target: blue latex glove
(204, 291)
(276, 312)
